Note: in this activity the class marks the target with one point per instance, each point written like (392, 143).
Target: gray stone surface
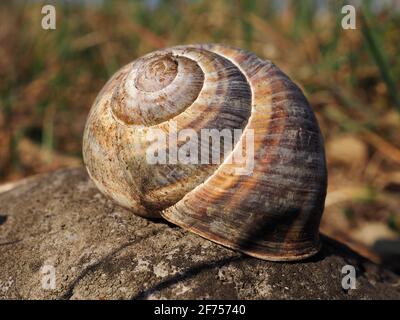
(101, 251)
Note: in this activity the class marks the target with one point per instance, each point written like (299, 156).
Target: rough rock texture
(101, 251)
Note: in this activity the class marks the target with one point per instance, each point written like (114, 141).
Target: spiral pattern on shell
(274, 212)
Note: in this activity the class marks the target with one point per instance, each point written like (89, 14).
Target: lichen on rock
(102, 251)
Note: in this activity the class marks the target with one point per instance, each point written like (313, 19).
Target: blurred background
(49, 79)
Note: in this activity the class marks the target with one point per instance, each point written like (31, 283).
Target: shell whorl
(274, 211)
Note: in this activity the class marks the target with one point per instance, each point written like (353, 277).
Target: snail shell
(274, 211)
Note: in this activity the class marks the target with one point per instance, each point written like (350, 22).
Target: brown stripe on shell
(275, 219)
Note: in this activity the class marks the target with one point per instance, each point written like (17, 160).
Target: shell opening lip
(282, 256)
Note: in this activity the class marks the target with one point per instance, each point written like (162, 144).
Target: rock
(59, 224)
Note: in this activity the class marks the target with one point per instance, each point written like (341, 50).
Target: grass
(377, 51)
